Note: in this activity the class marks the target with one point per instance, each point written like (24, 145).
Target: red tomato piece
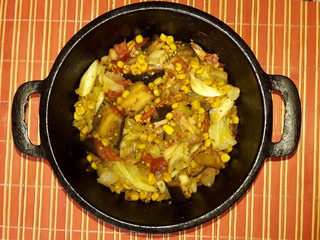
(106, 153)
(183, 64)
(122, 51)
(158, 164)
(211, 58)
(113, 94)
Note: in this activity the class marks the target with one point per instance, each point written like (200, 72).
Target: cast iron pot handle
(292, 119)
(19, 126)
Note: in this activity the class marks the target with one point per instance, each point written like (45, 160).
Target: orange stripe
(4, 5)
(315, 180)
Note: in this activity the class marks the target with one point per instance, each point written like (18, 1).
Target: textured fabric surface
(284, 201)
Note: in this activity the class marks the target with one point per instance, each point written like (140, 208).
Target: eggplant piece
(145, 77)
(176, 193)
(149, 43)
(161, 113)
(108, 123)
(139, 96)
(154, 43)
(90, 145)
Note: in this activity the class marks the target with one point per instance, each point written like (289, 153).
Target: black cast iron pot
(60, 141)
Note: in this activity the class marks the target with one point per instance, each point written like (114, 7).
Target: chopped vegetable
(88, 79)
(157, 118)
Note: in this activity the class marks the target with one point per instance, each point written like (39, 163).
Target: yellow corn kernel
(221, 83)
(204, 148)
(207, 142)
(158, 81)
(193, 164)
(195, 64)
(163, 37)
(199, 124)
(216, 103)
(156, 92)
(229, 149)
(133, 66)
(151, 179)
(119, 100)
(168, 129)
(151, 85)
(136, 71)
(85, 129)
(201, 117)
(117, 186)
(180, 76)
(174, 106)
(89, 158)
(172, 123)
(154, 196)
(126, 69)
(94, 166)
(205, 135)
(178, 67)
(137, 117)
(173, 47)
(143, 195)
(157, 141)
(166, 47)
(125, 93)
(143, 66)
(134, 196)
(200, 71)
(157, 100)
(225, 157)
(201, 110)
(185, 89)
(120, 64)
(167, 177)
(169, 115)
(80, 110)
(139, 39)
(235, 119)
(195, 104)
(76, 116)
(169, 39)
(126, 186)
(141, 58)
(151, 137)
(120, 108)
(147, 108)
(207, 81)
(91, 105)
(104, 142)
(143, 137)
(141, 146)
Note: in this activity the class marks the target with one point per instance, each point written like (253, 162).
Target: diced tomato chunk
(206, 122)
(183, 64)
(156, 164)
(211, 58)
(113, 94)
(106, 153)
(122, 51)
(124, 83)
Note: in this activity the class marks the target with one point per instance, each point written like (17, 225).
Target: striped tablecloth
(283, 203)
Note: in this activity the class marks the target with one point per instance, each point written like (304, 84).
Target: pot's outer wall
(66, 155)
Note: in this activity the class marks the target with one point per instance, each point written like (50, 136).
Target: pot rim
(195, 13)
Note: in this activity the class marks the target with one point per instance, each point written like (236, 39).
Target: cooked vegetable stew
(157, 118)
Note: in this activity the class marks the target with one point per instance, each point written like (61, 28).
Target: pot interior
(64, 138)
